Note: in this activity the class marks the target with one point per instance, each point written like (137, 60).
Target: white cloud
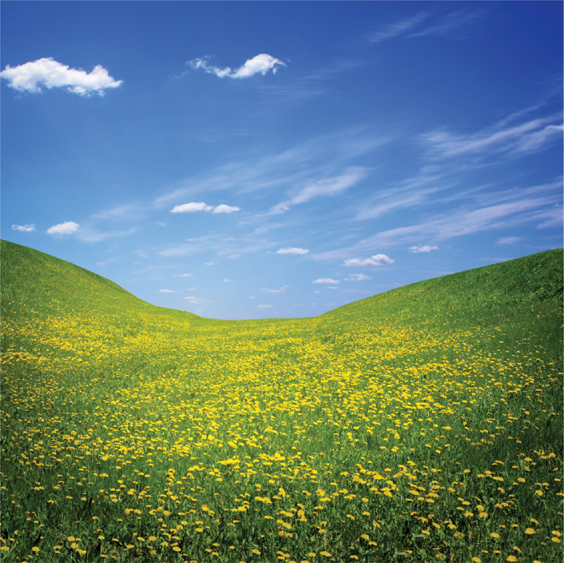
(183, 275)
(326, 280)
(325, 187)
(192, 207)
(201, 206)
(24, 228)
(30, 77)
(167, 291)
(265, 306)
(358, 277)
(225, 209)
(226, 280)
(291, 250)
(376, 260)
(260, 64)
(194, 300)
(281, 290)
(423, 248)
(65, 228)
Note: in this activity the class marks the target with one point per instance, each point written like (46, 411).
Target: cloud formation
(425, 248)
(324, 187)
(24, 228)
(358, 277)
(260, 64)
(31, 77)
(326, 280)
(376, 260)
(281, 290)
(65, 228)
(201, 206)
(167, 291)
(524, 138)
(194, 300)
(292, 250)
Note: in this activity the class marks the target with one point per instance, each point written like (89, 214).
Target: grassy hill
(421, 424)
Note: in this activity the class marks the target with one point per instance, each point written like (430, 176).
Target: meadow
(421, 424)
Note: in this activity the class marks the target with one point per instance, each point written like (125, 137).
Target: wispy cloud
(324, 187)
(260, 64)
(508, 240)
(167, 291)
(524, 138)
(399, 28)
(281, 290)
(411, 192)
(376, 260)
(425, 248)
(292, 250)
(24, 228)
(319, 159)
(357, 277)
(222, 245)
(265, 306)
(426, 24)
(89, 235)
(31, 77)
(66, 228)
(194, 300)
(183, 275)
(449, 22)
(496, 210)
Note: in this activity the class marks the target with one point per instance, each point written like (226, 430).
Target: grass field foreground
(422, 424)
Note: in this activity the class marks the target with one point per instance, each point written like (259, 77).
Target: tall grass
(424, 424)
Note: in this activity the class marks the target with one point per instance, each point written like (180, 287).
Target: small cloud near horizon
(65, 228)
(376, 260)
(326, 280)
(423, 248)
(292, 250)
(24, 228)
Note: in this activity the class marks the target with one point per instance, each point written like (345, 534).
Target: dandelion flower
(529, 531)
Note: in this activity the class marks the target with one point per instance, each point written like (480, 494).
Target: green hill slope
(498, 290)
(39, 280)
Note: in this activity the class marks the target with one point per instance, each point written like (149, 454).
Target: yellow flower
(511, 558)
(476, 560)
(152, 538)
(325, 554)
(529, 531)
(494, 535)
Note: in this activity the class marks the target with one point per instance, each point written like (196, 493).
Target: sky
(244, 160)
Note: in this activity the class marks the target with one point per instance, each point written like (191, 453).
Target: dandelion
(529, 531)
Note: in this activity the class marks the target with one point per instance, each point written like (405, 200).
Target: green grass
(422, 424)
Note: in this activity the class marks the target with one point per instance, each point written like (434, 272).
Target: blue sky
(280, 159)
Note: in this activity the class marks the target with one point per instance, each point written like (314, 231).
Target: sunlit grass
(424, 424)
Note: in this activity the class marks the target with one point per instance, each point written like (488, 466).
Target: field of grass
(422, 424)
